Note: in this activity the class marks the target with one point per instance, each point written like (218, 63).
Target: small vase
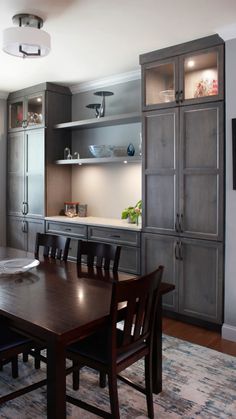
(130, 221)
(130, 150)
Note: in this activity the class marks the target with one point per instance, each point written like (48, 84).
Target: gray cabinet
(183, 174)
(25, 173)
(195, 267)
(21, 232)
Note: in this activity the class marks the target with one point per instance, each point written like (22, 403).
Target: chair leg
(112, 380)
(102, 379)
(1, 366)
(14, 366)
(75, 375)
(148, 385)
(25, 357)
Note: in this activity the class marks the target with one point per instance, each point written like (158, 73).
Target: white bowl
(100, 150)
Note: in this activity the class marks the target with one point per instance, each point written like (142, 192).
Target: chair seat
(96, 346)
(10, 339)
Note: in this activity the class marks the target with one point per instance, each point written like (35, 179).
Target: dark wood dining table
(57, 303)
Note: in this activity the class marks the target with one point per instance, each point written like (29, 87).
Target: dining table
(57, 303)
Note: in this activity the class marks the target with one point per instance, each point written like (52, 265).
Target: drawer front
(130, 260)
(113, 235)
(70, 230)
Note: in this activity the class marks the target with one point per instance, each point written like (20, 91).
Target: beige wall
(2, 171)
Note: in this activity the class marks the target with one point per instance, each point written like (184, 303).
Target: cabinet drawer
(71, 230)
(112, 235)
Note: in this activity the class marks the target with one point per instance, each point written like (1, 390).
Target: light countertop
(97, 221)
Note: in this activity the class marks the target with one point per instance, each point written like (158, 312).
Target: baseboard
(229, 332)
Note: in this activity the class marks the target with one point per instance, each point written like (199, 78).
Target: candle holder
(103, 94)
(95, 106)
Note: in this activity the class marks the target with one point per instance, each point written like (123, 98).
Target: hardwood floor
(198, 335)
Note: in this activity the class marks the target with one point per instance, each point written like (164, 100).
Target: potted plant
(132, 213)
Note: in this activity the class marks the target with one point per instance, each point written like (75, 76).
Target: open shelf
(101, 160)
(101, 122)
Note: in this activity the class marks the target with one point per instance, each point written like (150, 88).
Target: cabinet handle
(177, 226)
(181, 96)
(26, 208)
(177, 250)
(67, 229)
(23, 208)
(180, 251)
(177, 96)
(181, 223)
(24, 227)
(115, 236)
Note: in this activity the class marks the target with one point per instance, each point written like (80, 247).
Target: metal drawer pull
(67, 229)
(114, 236)
(177, 253)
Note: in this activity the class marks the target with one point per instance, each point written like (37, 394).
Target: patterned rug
(197, 383)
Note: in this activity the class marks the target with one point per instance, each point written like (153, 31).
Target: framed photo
(234, 151)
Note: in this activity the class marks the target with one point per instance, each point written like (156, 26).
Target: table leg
(157, 350)
(56, 381)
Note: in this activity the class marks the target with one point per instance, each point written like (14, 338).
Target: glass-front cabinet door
(160, 81)
(26, 112)
(200, 76)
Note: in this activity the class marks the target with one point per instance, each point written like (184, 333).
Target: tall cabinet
(183, 174)
(31, 149)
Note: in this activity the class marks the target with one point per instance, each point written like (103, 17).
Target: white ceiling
(93, 39)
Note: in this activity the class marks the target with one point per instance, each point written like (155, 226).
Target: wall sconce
(27, 40)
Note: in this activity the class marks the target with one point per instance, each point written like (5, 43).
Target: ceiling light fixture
(28, 40)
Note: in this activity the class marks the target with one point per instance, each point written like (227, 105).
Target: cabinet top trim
(56, 88)
(186, 47)
(101, 122)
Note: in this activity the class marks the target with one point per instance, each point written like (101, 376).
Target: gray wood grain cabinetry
(183, 174)
(33, 145)
(21, 232)
(196, 269)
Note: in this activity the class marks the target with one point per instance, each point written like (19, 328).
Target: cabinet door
(34, 110)
(201, 171)
(201, 76)
(159, 83)
(201, 280)
(16, 233)
(15, 114)
(15, 173)
(162, 250)
(160, 171)
(34, 172)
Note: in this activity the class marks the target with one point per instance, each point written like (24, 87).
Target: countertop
(97, 221)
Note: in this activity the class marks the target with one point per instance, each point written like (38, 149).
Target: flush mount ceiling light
(28, 40)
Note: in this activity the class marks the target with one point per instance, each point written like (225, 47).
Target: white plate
(18, 265)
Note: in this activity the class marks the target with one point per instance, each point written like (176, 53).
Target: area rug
(197, 383)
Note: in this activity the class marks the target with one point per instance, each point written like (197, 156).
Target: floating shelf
(101, 160)
(101, 122)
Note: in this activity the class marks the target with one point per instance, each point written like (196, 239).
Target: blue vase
(130, 150)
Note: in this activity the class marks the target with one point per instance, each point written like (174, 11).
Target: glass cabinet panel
(16, 114)
(35, 110)
(160, 83)
(201, 75)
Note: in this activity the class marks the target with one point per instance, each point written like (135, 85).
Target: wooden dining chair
(111, 350)
(101, 255)
(55, 247)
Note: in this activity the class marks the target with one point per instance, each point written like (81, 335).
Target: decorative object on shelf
(103, 94)
(76, 155)
(95, 106)
(206, 87)
(167, 95)
(26, 41)
(118, 151)
(82, 210)
(132, 214)
(130, 150)
(100, 150)
(34, 118)
(71, 208)
(67, 155)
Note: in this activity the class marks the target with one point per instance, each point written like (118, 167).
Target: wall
(229, 327)
(3, 128)
(107, 189)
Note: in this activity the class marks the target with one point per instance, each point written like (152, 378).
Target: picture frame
(234, 151)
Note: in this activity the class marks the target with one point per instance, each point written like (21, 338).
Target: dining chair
(54, 247)
(101, 255)
(111, 350)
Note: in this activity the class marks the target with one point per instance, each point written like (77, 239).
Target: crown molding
(4, 95)
(227, 32)
(107, 81)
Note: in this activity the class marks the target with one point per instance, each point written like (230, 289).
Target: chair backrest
(99, 254)
(55, 247)
(141, 297)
